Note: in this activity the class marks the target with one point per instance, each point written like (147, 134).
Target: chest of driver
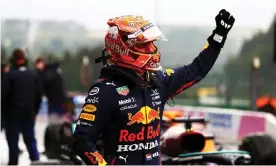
(139, 106)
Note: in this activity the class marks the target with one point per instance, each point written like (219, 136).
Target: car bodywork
(191, 128)
(187, 140)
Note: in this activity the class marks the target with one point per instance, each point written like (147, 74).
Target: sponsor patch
(94, 100)
(124, 158)
(84, 123)
(87, 116)
(206, 46)
(94, 91)
(126, 101)
(169, 72)
(99, 158)
(155, 97)
(154, 92)
(123, 90)
(91, 158)
(138, 146)
(145, 115)
(110, 83)
(146, 133)
(150, 156)
(128, 107)
(89, 108)
(155, 103)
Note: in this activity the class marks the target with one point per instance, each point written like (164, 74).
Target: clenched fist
(224, 22)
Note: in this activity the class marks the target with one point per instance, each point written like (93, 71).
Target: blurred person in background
(267, 104)
(22, 91)
(53, 88)
(5, 68)
(125, 106)
(39, 66)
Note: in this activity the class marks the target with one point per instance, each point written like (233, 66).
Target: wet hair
(18, 58)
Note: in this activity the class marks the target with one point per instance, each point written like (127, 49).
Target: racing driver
(125, 105)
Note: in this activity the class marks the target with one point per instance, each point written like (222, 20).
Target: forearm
(206, 60)
(86, 150)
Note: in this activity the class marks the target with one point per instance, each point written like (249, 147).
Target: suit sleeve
(94, 116)
(178, 79)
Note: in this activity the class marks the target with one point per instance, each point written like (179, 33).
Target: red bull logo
(145, 115)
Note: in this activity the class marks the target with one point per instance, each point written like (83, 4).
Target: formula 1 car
(188, 146)
(191, 144)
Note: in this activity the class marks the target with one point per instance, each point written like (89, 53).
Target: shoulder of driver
(103, 89)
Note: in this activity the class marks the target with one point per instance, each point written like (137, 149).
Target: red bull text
(126, 136)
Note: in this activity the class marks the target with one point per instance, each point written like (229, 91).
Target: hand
(224, 22)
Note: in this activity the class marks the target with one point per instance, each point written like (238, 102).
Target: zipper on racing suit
(145, 93)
